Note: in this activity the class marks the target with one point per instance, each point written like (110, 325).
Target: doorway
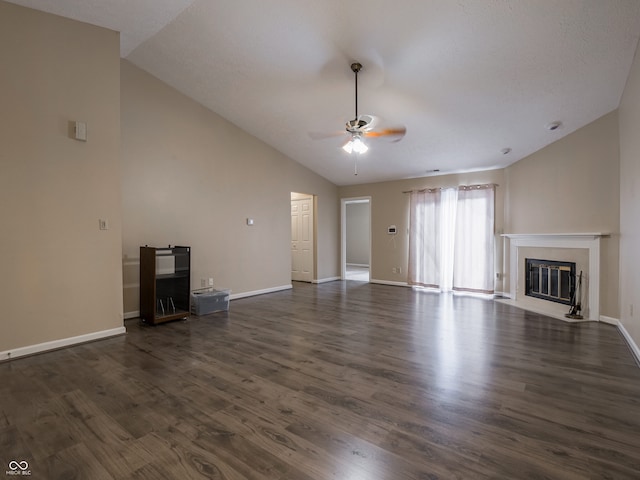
(356, 239)
(302, 237)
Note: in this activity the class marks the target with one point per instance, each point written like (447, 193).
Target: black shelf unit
(165, 276)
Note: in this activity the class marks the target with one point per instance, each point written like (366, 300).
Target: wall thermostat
(392, 230)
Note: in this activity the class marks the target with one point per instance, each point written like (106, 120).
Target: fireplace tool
(576, 307)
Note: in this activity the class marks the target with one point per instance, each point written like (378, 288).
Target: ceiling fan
(363, 126)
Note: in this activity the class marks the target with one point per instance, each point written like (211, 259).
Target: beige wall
(629, 117)
(190, 177)
(389, 206)
(61, 276)
(572, 186)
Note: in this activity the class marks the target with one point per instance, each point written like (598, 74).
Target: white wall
(61, 275)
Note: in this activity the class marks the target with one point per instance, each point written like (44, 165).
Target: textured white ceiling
(467, 78)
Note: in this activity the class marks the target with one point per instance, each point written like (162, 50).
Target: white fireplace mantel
(589, 241)
(555, 236)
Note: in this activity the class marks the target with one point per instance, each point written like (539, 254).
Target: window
(451, 243)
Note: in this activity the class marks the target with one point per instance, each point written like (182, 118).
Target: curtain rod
(459, 187)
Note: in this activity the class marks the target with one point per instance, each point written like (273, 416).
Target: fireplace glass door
(550, 280)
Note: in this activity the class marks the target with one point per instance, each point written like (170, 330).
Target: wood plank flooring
(344, 380)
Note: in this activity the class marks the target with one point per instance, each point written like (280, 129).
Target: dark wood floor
(344, 380)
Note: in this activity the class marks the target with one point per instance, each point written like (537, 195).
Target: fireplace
(550, 280)
(582, 248)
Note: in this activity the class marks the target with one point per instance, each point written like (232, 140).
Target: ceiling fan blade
(361, 127)
(393, 134)
(325, 135)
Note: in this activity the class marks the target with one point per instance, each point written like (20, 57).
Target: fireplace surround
(516, 244)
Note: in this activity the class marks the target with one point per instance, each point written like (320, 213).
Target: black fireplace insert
(550, 280)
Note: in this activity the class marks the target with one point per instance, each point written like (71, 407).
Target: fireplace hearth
(550, 280)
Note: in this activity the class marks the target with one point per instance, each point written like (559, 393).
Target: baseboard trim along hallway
(63, 342)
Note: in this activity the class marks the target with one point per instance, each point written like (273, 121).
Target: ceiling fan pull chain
(355, 164)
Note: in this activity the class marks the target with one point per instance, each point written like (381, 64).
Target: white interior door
(302, 239)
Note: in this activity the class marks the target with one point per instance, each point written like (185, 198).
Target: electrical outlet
(103, 224)
(210, 282)
(203, 282)
(393, 270)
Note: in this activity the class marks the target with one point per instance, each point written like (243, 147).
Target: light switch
(250, 221)
(80, 131)
(103, 224)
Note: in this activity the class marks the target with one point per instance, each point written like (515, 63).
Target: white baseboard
(633, 346)
(357, 265)
(610, 320)
(235, 296)
(389, 282)
(325, 280)
(63, 342)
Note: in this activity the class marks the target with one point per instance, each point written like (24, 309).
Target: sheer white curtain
(424, 238)
(447, 237)
(451, 239)
(473, 266)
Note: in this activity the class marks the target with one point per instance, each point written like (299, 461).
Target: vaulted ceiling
(467, 78)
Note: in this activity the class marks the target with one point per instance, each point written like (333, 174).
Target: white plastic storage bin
(203, 303)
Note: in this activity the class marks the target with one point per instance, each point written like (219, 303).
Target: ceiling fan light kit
(363, 126)
(355, 144)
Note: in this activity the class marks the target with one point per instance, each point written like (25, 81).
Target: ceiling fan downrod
(355, 68)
